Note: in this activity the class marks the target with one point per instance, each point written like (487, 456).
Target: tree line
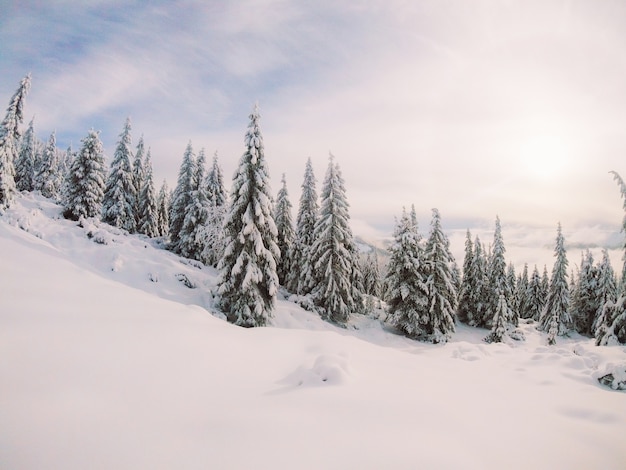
(251, 239)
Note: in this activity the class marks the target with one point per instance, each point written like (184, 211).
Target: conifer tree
(48, 179)
(248, 281)
(163, 204)
(536, 296)
(497, 280)
(148, 207)
(118, 205)
(607, 290)
(467, 290)
(611, 324)
(545, 283)
(301, 277)
(286, 235)
(480, 286)
(25, 165)
(584, 297)
(441, 289)
(406, 281)
(512, 301)
(138, 179)
(371, 274)
(499, 327)
(65, 166)
(333, 254)
(85, 186)
(9, 139)
(555, 318)
(522, 294)
(217, 197)
(182, 197)
(193, 234)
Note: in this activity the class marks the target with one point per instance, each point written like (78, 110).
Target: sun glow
(544, 156)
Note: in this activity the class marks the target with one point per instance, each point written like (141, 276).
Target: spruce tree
(536, 297)
(163, 204)
(407, 293)
(248, 281)
(148, 207)
(607, 290)
(286, 235)
(584, 297)
(118, 205)
(138, 179)
(181, 197)
(49, 179)
(555, 318)
(301, 277)
(497, 280)
(479, 286)
(611, 324)
(9, 140)
(467, 290)
(217, 196)
(193, 237)
(441, 289)
(522, 294)
(85, 186)
(333, 253)
(25, 165)
(499, 328)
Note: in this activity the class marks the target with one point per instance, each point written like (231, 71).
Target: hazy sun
(544, 156)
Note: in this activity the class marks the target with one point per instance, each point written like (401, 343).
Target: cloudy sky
(515, 108)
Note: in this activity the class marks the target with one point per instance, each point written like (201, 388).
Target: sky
(511, 108)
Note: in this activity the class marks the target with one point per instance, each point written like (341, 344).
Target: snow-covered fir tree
(286, 234)
(301, 277)
(148, 207)
(512, 301)
(9, 142)
(499, 327)
(193, 237)
(555, 318)
(611, 324)
(480, 285)
(607, 290)
(497, 280)
(584, 297)
(333, 253)
(248, 281)
(407, 293)
(85, 185)
(441, 289)
(181, 197)
(25, 164)
(163, 204)
(138, 178)
(370, 271)
(467, 292)
(49, 178)
(118, 204)
(536, 297)
(217, 196)
(521, 293)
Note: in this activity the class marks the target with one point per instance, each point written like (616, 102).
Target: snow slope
(108, 360)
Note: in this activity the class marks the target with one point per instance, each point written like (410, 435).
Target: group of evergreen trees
(253, 242)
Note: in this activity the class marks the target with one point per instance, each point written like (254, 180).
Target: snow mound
(327, 369)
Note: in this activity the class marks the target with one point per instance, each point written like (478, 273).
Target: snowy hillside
(109, 358)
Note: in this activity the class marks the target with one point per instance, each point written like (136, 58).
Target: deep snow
(108, 360)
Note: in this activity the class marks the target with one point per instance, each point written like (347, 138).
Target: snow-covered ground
(108, 360)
